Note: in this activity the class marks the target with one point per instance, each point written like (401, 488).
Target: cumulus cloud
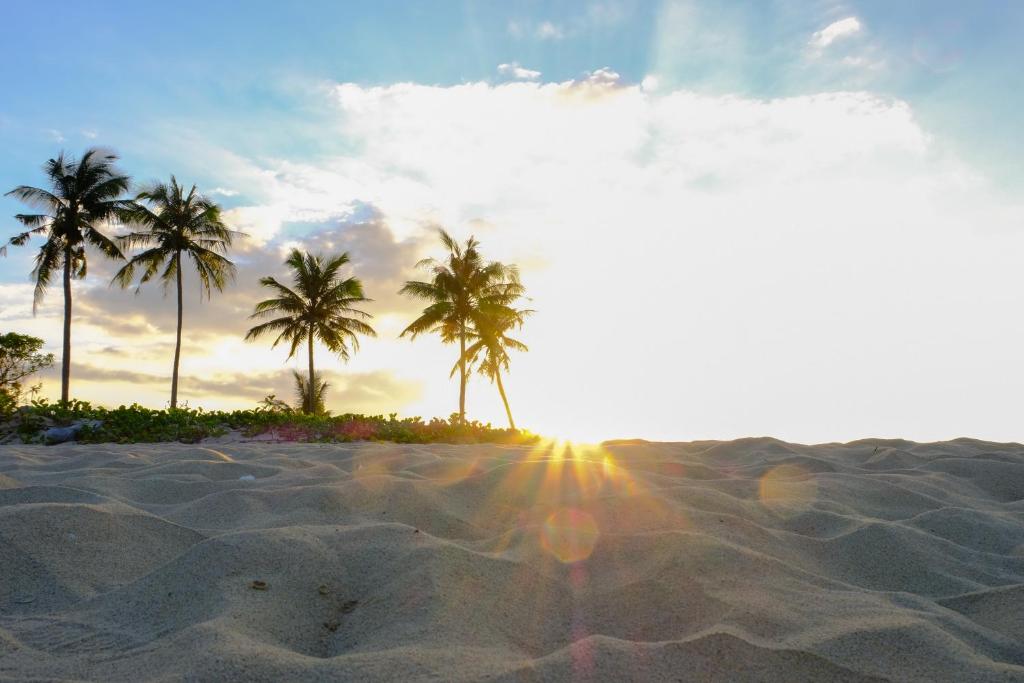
(783, 264)
(515, 70)
(687, 193)
(604, 76)
(223, 192)
(836, 31)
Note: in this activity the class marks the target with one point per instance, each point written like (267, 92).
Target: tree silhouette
(172, 224)
(319, 305)
(462, 291)
(489, 346)
(83, 195)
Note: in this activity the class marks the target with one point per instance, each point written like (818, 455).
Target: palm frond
(320, 303)
(276, 325)
(49, 259)
(36, 197)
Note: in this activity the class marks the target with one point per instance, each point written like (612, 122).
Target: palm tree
(490, 346)
(462, 290)
(318, 305)
(173, 225)
(302, 394)
(82, 196)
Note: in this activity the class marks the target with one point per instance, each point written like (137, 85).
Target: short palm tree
(82, 197)
(319, 394)
(489, 347)
(462, 289)
(318, 305)
(170, 224)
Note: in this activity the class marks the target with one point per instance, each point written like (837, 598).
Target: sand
(749, 560)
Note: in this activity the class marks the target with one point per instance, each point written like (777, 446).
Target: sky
(792, 219)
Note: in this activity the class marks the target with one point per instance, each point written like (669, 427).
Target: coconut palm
(489, 346)
(83, 195)
(170, 224)
(319, 305)
(302, 394)
(461, 291)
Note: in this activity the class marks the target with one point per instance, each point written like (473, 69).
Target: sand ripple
(748, 560)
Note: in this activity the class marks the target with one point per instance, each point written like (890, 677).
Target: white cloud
(547, 30)
(55, 134)
(603, 76)
(781, 265)
(835, 31)
(650, 83)
(260, 223)
(515, 70)
(223, 192)
(761, 240)
(89, 133)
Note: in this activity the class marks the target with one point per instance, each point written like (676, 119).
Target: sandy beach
(706, 561)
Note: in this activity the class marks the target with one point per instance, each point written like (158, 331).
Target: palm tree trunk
(65, 364)
(462, 376)
(177, 341)
(504, 399)
(312, 382)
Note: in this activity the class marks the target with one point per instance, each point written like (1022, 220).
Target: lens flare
(788, 489)
(448, 472)
(569, 535)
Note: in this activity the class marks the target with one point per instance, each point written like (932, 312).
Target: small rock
(259, 585)
(55, 435)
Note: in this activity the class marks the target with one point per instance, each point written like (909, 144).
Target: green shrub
(8, 403)
(20, 357)
(136, 424)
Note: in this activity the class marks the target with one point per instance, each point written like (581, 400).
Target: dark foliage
(135, 424)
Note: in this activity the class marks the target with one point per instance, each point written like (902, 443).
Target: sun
(585, 436)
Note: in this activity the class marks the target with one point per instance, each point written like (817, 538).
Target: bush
(8, 403)
(136, 424)
(20, 357)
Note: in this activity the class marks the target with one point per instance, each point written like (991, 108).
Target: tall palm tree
(172, 224)
(490, 345)
(319, 305)
(82, 196)
(461, 291)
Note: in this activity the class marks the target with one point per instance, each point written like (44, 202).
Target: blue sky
(363, 124)
(117, 69)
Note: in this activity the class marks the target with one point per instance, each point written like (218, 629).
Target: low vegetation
(272, 421)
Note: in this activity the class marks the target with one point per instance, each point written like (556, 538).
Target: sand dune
(748, 560)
